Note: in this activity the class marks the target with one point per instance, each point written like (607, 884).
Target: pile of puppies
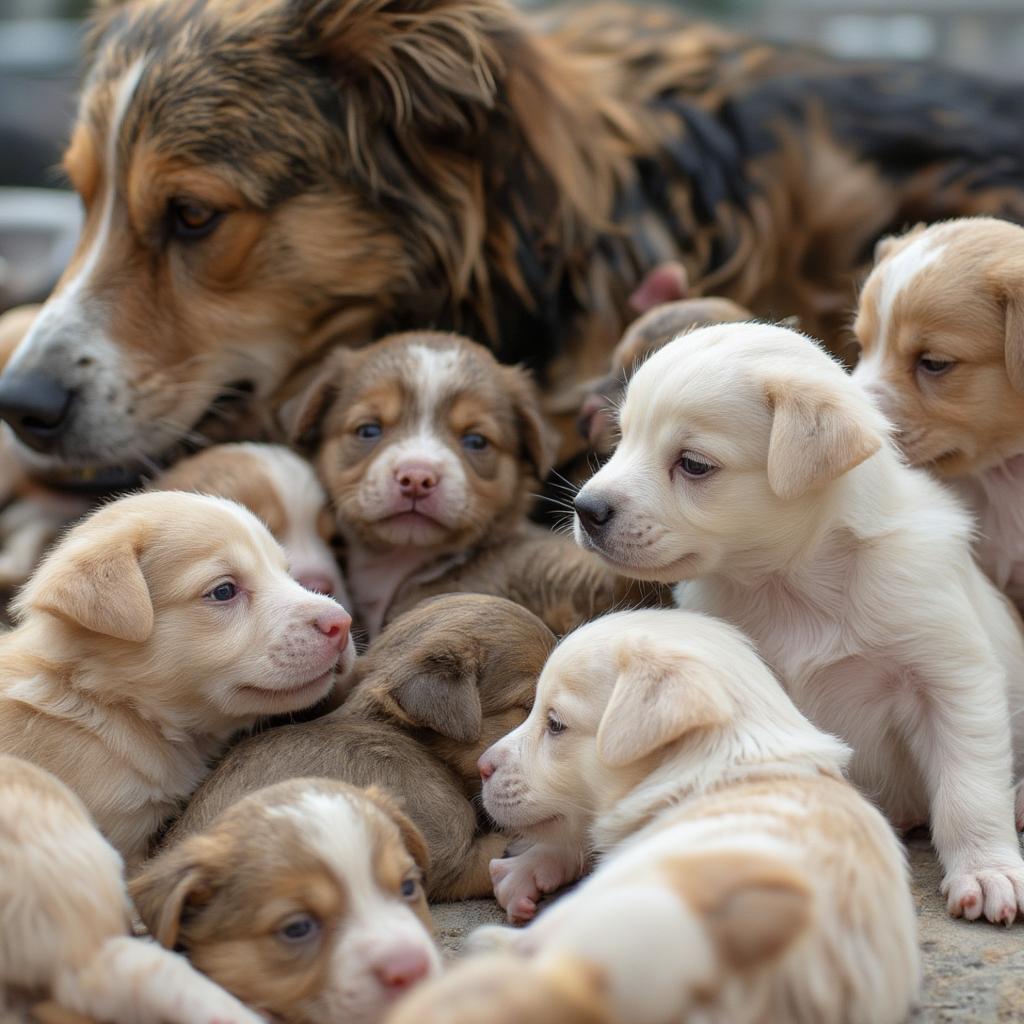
(181, 696)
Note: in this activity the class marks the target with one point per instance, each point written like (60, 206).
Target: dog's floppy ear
(412, 838)
(753, 906)
(658, 697)
(170, 887)
(305, 419)
(889, 244)
(440, 693)
(1012, 292)
(93, 579)
(540, 445)
(820, 430)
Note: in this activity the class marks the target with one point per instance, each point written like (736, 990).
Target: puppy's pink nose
(486, 767)
(318, 582)
(402, 969)
(334, 625)
(416, 479)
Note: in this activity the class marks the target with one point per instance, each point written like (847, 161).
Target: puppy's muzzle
(37, 408)
(594, 514)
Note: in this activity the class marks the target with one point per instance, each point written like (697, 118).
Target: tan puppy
(159, 627)
(754, 467)
(941, 329)
(431, 452)
(741, 879)
(65, 922)
(304, 899)
(435, 689)
(281, 489)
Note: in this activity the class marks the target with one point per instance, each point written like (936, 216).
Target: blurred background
(39, 41)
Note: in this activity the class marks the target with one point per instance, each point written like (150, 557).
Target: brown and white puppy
(941, 330)
(280, 488)
(304, 899)
(740, 878)
(755, 472)
(154, 631)
(435, 689)
(431, 452)
(66, 951)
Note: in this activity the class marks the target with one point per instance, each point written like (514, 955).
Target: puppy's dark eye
(694, 465)
(934, 366)
(298, 929)
(409, 888)
(191, 220)
(474, 442)
(222, 592)
(555, 725)
(369, 431)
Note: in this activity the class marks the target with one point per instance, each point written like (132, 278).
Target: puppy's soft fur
(281, 489)
(741, 879)
(65, 922)
(754, 467)
(941, 330)
(431, 452)
(305, 900)
(438, 686)
(159, 627)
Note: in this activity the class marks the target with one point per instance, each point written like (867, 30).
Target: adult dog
(265, 178)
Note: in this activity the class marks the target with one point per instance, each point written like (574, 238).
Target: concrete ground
(973, 972)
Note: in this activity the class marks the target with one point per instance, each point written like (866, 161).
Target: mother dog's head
(261, 177)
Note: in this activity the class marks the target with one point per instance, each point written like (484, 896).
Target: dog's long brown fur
(386, 164)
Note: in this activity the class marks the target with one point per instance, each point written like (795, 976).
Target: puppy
(159, 627)
(281, 489)
(431, 452)
(941, 330)
(66, 950)
(305, 900)
(741, 879)
(438, 686)
(752, 466)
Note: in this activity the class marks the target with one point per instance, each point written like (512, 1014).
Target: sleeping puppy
(435, 689)
(941, 329)
(741, 879)
(305, 900)
(753, 467)
(66, 951)
(281, 489)
(431, 452)
(154, 631)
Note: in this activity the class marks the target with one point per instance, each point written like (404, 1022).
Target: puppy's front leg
(541, 868)
(963, 748)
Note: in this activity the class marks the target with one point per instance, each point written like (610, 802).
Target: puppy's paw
(520, 881)
(491, 938)
(996, 893)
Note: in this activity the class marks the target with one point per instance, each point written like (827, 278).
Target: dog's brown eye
(223, 592)
(192, 220)
(934, 365)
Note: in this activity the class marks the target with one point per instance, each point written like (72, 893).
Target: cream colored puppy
(753, 466)
(65, 921)
(741, 879)
(158, 628)
(941, 330)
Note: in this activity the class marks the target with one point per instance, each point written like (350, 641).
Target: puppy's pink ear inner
(658, 698)
(816, 437)
(102, 589)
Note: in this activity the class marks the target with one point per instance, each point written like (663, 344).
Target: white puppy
(751, 464)
(154, 631)
(741, 879)
(65, 936)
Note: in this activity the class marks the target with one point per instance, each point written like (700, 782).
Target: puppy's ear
(169, 888)
(753, 907)
(819, 432)
(412, 838)
(441, 694)
(304, 418)
(667, 282)
(890, 244)
(94, 579)
(539, 442)
(658, 697)
(1012, 289)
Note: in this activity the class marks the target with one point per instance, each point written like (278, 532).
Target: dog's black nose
(36, 406)
(595, 513)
